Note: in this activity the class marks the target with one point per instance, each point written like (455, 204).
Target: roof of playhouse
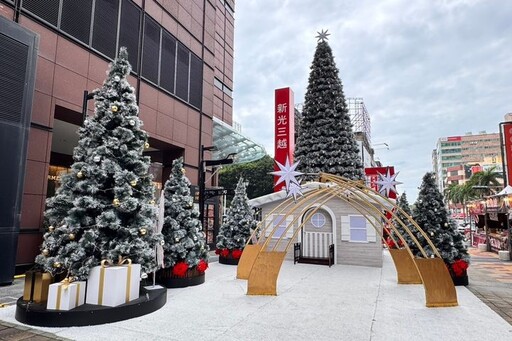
(310, 186)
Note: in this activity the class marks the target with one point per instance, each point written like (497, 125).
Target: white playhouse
(344, 223)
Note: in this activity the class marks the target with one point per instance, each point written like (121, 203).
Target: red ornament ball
(237, 253)
(224, 252)
(180, 269)
(202, 266)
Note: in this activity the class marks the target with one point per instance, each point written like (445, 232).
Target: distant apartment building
(456, 158)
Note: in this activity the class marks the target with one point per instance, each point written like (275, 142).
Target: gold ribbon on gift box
(104, 264)
(128, 262)
(64, 284)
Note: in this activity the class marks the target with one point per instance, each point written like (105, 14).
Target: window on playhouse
(318, 220)
(358, 229)
(281, 221)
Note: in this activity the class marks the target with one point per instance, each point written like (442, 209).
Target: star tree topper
(387, 183)
(322, 35)
(287, 173)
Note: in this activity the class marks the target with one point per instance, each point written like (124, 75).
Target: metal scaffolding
(359, 116)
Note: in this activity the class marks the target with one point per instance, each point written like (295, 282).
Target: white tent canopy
(505, 191)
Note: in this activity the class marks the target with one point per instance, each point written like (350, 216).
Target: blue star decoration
(387, 183)
(322, 35)
(287, 174)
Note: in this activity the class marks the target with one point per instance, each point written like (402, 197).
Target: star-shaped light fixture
(387, 183)
(287, 173)
(322, 35)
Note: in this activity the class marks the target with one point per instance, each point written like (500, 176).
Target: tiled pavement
(490, 279)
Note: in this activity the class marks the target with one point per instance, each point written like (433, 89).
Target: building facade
(455, 156)
(181, 52)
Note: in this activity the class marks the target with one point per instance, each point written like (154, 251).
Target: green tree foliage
(182, 231)
(431, 215)
(326, 141)
(403, 203)
(239, 221)
(104, 208)
(258, 171)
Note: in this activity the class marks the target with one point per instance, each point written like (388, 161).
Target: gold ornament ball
(51, 228)
(56, 265)
(152, 202)
(146, 145)
(80, 175)
(143, 231)
(183, 170)
(45, 252)
(71, 236)
(133, 183)
(114, 108)
(116, 202)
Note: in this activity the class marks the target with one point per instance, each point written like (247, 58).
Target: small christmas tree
(104, 208)
(185, 246)
(237, 225)
(431, 215)
(326, 142)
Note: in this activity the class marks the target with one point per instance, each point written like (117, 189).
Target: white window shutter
(289, 221)
(371, 234)
(345, 228)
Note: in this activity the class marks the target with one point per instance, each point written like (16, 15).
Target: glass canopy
(229, 141)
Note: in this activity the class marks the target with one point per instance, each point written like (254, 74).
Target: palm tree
(488, 180)
(460, 194)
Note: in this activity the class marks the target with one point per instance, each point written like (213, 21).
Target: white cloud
(426, 69)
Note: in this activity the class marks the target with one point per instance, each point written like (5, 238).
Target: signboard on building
(507, 136)
(284, 137)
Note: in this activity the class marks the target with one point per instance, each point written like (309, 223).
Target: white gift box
(66, 296)
(113, 285)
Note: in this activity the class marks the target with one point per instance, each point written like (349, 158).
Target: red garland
(224, 253)
(202, 266)
(237, 253)
(459, 267)
(180, 269)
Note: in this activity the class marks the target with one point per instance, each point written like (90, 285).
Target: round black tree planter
(228, 261)
(36, 314)
(181, 282)
(461, 280)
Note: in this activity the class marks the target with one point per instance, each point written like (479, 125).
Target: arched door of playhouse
(317, 235)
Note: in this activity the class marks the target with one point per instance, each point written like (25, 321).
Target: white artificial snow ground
(314, 302)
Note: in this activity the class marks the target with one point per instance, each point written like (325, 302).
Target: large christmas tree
(431, 215)
(326, 141)
(104, 208)
(237, 225)
(185, 246)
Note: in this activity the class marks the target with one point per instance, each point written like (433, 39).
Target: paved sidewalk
(490, 279)
(314, 303)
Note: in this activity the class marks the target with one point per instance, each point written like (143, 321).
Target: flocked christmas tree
(403, 204)
(326, 141)
(238, 224)
(104, 208)
(185, 246)
(431, 215)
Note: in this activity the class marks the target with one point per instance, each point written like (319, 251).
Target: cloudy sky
(426, 68)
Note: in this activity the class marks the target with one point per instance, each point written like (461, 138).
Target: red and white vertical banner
(284, 137)
(507, 136)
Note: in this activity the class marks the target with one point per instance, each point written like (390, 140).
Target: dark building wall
(66, 66)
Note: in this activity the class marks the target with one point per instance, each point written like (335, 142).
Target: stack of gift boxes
(107, 285)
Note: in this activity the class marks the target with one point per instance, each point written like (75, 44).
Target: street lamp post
(202, 176)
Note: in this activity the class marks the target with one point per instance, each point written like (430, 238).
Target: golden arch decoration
(261, 261)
